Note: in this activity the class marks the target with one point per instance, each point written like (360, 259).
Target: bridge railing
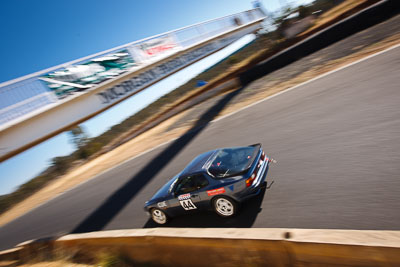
(36, 91)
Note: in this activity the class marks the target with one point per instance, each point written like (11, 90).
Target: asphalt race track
(336, 139)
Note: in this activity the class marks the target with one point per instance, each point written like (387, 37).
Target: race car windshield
(232, 161)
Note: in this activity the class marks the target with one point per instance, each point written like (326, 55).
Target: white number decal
(187, 204)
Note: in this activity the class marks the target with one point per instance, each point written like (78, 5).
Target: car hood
(163, 192)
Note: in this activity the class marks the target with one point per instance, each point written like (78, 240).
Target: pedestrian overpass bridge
(36, 107)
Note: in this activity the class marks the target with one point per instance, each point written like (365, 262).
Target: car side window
(191, 183)
(200, 181)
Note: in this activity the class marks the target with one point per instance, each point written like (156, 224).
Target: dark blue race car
(218, 179)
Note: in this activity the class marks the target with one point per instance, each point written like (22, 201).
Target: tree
(78, 137)
(304, 11)
(61, 164)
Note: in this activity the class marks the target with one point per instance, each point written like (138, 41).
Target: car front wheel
(224, 206)
(159, 216)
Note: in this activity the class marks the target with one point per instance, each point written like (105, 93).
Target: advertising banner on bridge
(154, 49)
(80, 77)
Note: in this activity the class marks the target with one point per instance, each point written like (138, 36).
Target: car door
(187, 194)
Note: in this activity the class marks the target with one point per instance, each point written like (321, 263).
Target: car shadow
(104, 214)
(245, 218)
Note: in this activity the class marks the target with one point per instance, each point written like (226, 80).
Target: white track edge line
(308, 81)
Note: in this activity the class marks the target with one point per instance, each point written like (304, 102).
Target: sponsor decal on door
(216, 191)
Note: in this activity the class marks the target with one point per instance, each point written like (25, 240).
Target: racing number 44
(187, 204)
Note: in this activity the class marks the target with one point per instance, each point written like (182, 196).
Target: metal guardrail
(29, 93)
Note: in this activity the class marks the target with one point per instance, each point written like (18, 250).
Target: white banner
(154, 49)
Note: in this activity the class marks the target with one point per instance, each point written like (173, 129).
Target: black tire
(225, 206)
(158, 216)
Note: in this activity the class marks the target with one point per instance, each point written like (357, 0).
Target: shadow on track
(248, 213)
(98, 219)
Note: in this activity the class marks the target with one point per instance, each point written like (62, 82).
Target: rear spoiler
(258, 144)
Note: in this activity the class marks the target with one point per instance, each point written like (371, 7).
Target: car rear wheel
(224, 206)
(159, 216)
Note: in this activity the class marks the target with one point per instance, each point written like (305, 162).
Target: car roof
(197, 164)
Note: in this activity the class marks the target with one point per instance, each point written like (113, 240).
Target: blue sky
(41, 34)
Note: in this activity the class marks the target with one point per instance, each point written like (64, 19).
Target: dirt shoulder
(360, 45)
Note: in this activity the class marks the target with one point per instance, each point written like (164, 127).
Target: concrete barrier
(226, 247)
